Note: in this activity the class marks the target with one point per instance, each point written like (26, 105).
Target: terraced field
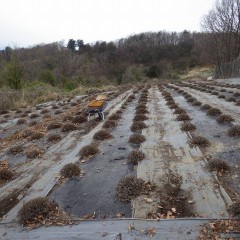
(164, 152)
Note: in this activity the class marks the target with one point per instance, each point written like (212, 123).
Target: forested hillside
(152, 54)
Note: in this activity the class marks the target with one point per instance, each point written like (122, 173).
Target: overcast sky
(28, 22)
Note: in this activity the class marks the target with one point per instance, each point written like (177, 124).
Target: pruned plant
(128, 188)
(54, 125)
(183, 117)
(88, 150)
(140, 117)
(102, 135)
(79, 119)
(36, 136)
(70, 170)
(218, 165)
(137, 126)
(54, 137)
(206, 107)
(135, 156)
(224, 118)
(234, 131)
(199, 141)
(136, 138)
(34, 151)
(6, 175)
(188, 127)
(35, 211)
(34, 115)
(16, 149)
(109, 124)
(44, 111)
(179, 111)
(67, 127)
(21, 121)
(214, 112)
(234, 209)
(114, 116)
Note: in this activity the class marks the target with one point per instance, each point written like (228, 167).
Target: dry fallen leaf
(174, 210)
(148, 200)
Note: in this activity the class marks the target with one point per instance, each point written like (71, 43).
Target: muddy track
(168, 152)
(47, 168)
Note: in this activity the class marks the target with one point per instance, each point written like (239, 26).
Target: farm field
(166, 157)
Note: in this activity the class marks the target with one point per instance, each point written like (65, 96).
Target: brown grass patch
(109, 124)
(128, 188)
(206, 107)
(137, 126)
(136, 138)
(88, 150)
(179, 111)
(188, 127)
(36, 136)
(199, 141)
(67, 127)
(102, 135)
(35, 211)
(135, 156)
(234, 131)
(196, 103)
(79, 119)
(183, 117)
(70, 170)
(34, 115)
(34, 152)
(142, 111)
(44, 111)
(114, 116)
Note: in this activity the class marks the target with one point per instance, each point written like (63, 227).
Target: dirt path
(170, 156)
(46, 169)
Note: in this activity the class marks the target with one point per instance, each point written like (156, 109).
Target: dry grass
(58, 112)
(199, 141)
(79, 119)
(135, 156)
(231, 99)
(21, 121)
(88, 150)
(128, 188)
(110, 124)
(234, 131)
(54, 125)
(35, 211)
(114, 116)
(218, 165)
(196, 103)
(54, 137)
(191, 99)
(16, 149)
(67, 127)
(188, 127)
(137, 126)
(102, 135)
(44, 111)
(33, 123)
(183, 117)
(6, 175)
(140, 117)
(70, 170)
(136, 138)
(214, 112)
(142, 111)
(225, 118)
(173, 106)
(206, 107)
(67, 118)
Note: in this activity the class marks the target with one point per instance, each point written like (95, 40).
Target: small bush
(67, 118)
(110, 124)
(54, 137)
(114, 116)
(44, 111)
(16, 149)
(234, 209)
(102, 135)
(57, 112)
(196, 103)
(67, 127)
(191, 99)
(214, 112)
(128, 188)
(73, 104)
(119, 111)
(21, 121)
(200, 141)
(34, 152)
(138, 126)
(234, 131)
(218, 165)
(173, 106)
(183, 117)
(179, 111)
(225, 118)
(231, 99)
(35, 211)
(140, 117)
(34, 115)
(79, 119)
(2, 112)
(142, 111)
(89, 150)
(205, 107)
(54, 125)
(188, 127)
(135, 156)
(6, 175)
(221, 96)
(36, 136)
(55, 107)
(136, 138)
(70, 170)
(32, 123)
